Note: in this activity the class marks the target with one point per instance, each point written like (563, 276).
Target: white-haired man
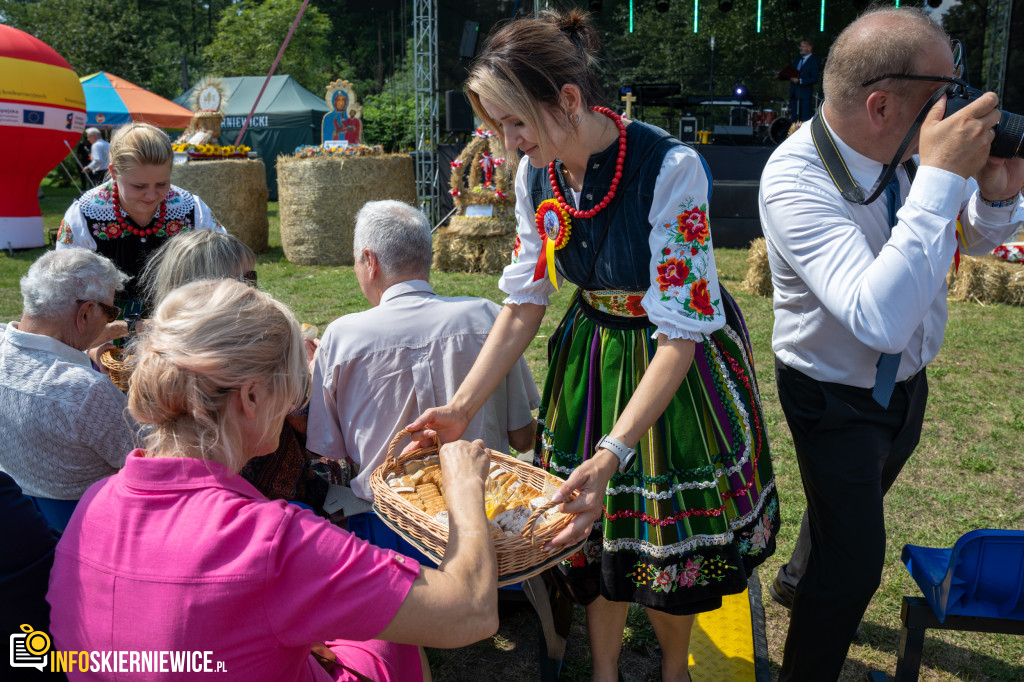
(860, 297)
(99, 155)
(62, 423)
(378, 369)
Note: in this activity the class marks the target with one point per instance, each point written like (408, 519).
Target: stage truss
(998, 40)
(427, 129)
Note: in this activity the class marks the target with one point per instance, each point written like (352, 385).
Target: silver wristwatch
(625, 454)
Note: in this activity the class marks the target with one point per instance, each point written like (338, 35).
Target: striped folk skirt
(698, 511)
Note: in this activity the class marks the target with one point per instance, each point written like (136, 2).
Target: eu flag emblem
(33, 116)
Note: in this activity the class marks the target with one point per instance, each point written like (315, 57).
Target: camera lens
(1009, 136)
(1009, 141)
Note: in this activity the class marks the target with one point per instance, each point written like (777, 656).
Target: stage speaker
(470, 32)
(458, 112)
(733, 212)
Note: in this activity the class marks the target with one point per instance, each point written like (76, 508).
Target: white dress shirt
(63, 425)
(379, 369)
(846, 290)
(99, 156)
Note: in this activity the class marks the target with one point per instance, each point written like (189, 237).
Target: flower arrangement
(212, 151)
(311, 151)
(1011, 253)
(484, 184)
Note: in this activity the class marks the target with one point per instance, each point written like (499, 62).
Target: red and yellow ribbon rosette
(554, 225)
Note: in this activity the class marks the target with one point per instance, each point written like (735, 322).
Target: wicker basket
(118, 367)
(519, 557)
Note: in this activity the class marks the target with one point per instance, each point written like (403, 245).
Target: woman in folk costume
(138, 209)
(650, 408)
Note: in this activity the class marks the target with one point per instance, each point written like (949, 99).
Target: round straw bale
(979, 279)
(455, 251)
(320, 196)
(758, 280)
(1015, 284)
(236, 192)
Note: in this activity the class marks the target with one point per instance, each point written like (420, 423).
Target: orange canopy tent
(112, 101)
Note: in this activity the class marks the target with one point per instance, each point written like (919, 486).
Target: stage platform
(730, 643)
(736, 174)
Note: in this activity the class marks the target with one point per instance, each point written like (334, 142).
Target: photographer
(860, 298)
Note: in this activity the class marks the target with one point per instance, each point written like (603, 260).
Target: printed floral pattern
(589, 554)
(696, 571)
(111, 230)
(673, 273)
(693, 225)
(756, 540)
(683, 268)
(516, 249)
(619, 303)
(64, 234)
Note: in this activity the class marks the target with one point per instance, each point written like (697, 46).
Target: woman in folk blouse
(128, 217)
(652, 354)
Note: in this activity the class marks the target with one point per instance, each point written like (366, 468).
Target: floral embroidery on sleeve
(682, 270)
(516, 248)
(64, 233)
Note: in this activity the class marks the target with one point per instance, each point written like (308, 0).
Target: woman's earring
(574, 119)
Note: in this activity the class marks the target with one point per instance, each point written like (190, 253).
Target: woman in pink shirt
(177, 564)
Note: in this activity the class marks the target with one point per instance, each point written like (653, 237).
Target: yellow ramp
(729, 645)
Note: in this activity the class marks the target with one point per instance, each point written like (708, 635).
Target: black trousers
(850, 450)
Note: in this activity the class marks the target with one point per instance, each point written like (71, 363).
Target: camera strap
(840, 174)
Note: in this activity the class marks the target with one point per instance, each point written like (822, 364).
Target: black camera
(1009, 131)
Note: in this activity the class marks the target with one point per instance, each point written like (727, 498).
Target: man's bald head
(880, 41)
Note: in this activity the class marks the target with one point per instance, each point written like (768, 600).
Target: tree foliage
(249, 35)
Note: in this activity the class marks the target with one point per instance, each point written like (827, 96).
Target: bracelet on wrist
(1001, 203)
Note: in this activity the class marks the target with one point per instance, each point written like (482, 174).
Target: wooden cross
(628, 98)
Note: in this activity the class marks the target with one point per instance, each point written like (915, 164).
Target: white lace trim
(691, 543)
(98, 204)
(519, 299)
(735, 337)
(665, 551)
(748, 436)
(749, 517)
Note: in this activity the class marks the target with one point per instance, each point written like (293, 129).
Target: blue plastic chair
(978, 586)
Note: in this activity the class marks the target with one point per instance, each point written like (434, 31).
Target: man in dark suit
(801, 92)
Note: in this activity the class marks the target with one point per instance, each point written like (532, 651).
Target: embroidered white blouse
(679, 240)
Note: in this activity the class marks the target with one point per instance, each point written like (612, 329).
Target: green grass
(966, 473)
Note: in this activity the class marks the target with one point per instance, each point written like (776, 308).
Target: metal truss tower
(427, 125)
(997, 43)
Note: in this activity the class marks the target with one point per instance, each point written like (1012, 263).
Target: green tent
(288, 116)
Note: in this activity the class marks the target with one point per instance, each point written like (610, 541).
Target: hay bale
(1015, 284)
(979, 279)
(758, 280)
(319, 198)
(236, 192)
(457, 251)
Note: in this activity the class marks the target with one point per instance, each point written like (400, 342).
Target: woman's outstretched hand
(591, 480)
(445, 422)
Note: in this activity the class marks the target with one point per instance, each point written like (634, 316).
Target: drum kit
(771, 124)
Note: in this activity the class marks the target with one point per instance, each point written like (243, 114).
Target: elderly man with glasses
(62, 423)
(860, 297)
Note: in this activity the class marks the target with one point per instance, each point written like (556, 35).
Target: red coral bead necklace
(119, 214)
(601, 205)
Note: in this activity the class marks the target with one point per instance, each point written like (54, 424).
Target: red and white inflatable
(41, 107)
